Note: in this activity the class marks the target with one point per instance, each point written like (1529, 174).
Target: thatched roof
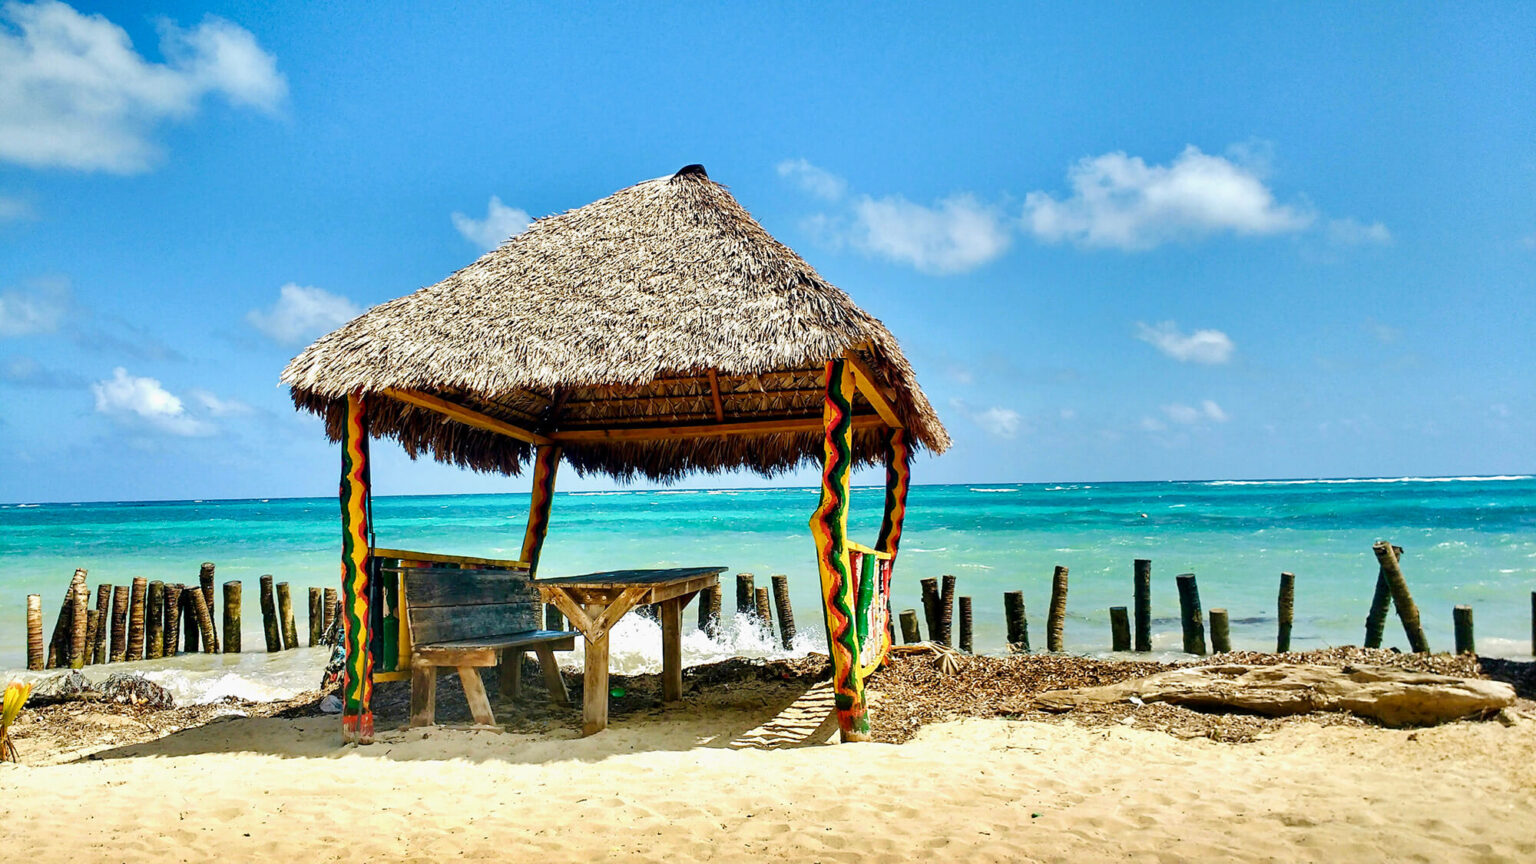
(634, 311)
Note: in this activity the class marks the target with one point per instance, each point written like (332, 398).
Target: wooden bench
(469, 619)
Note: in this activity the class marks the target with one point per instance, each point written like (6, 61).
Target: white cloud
(996, 421)
(500, 223)
(217, 407)
(302, 312)
(1207, 347)
(1189, 415)
(1119, 201)
(816, 181)
(39, 310)
(142, 401)
(74, 93)
(1352, 232)
(957, 234)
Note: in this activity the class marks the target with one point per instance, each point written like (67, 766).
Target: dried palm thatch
(663, 305)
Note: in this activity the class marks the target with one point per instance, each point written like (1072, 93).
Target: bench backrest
(447, 605)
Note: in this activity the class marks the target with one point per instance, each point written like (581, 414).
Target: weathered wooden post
(553, 620)
(1119, 629)
(285, 610)
(910, 634)
(92, 625)
(1462, 617)
(763, 609)
(316, 618)
(78, 624)
(1407, 611)
(947, 611)
(232, 641)
(1018, 621)
(785, 612)
(205, 581)
(709, 611)
(1221, 633)
(269, 616)
(1142, 582)
(966, 643)
(1287, 610)
(191, 642)
(154, 621)
(119, 624)
(136, 618)
(204, 621)
(35, 656)
(99, 650)
(173, 619)
(1190, 614)
(330, 610)
(1056, 618)
(930, 588)
(58, 644)
(1381, 604)
(746, 594)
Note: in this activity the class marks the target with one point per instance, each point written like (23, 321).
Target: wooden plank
(708, 430)
(553, 682)
(432, 587)
(435, 624)
(467, 416)
(423, 694)
(594, 697)
(626, 578)
(714, 396)
(869, 384)
(474, 693)
(436, 558)
(557, 640)
(683, 589)
(573, 613)
(619, 608)
(455, 656)
(672, 650)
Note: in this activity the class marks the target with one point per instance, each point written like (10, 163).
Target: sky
(1117, 241)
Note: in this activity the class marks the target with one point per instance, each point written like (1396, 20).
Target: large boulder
(1395, 697)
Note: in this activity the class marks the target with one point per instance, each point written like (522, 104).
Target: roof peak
(691, 170)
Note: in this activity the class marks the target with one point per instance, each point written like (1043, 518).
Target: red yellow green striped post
(357, 674)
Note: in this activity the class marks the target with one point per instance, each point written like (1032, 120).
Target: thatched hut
(657, 332)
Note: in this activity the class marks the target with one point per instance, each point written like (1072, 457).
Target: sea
(1467, 540)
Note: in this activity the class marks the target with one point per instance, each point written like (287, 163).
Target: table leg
(594, 697)
(672, 649)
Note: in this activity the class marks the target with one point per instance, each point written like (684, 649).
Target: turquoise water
(1468, 540)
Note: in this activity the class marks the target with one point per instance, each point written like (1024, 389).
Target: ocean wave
(1341, 481)
(591, 494)
(985, 489)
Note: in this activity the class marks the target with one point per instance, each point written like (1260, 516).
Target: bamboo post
(1381, 604)
(232, 642)
(285, 609)
(764, 610)
(947, 611)
(58, 645)
(119, 624)
(205, 581)
(930, 588)
(1018, 621)
(1142, 583)
(35, 654)
(79, 622)
(709, 611)
(330, 609)
(154, 621)
(966, 643)
(1221, 632)
(204, 621)
(1119, 629)
(99, 650)
(269, 616)
(92, 625)
(1190, 614)
(785, 612)
(1462, 617)
(910, 634)
(1407, 611)
(746, 594)
(1287, 610)
(173, 620)
(1057, 617)
(136, 618)
(316, 618)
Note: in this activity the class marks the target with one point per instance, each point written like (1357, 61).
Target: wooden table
(596, 601)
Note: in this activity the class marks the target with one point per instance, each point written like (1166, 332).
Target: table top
(654, 586)
(630, 578)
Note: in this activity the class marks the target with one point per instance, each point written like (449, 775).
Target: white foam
(634, 646)
(1353, 480)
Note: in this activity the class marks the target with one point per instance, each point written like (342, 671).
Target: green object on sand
(617, 692)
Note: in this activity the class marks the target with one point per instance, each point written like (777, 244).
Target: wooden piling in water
(763, 607)
(330, 610)
(59, 643)
(1017, 620)
(204, 621)
(782, 608)
(1221, 632)
(269, 616)
(79, 623)
(1381, 604)
(285, 610)
(1407, 610)
(232, 640)
(709, 611)
(966, 643)
(1190, 615)
(154, 621)
(316, 618)
(119, 624)
(35, 654)
(1056, 618)
(1461, 616)
(910, 633)
(136, 618)
(1286, 606)
(746, 594)
(930, 588)
(172, 620)
(947, 611)
(191, 633)
(205, 582)
(1142, 585)
(92, 625)
(1119, 629)
(99, 650)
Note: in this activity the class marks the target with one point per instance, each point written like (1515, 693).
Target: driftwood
(1395, 697)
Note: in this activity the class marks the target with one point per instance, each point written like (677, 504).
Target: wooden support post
(546, 464)
(1286, 604)
(204, 621)
(191, 642)
(330, 608)
(966, 643)
(172, 620)
(232, 634)
(1056, 619)
(1190, 615)
(423, 693)
(947, 611)
(1462, 617)
(316, 617)
(154, 621)
(1119, 629)
(1407, 611)
(285, 610)
(930, 589)
(136, 618)
(58, 644)
(119, 624)
(594, 682)
(35, 654)
(709, 611)
(79, 624)
(269, 616)
(92, 625)
(910, 634)
(746, 595)
(1221, 631)
(764, 610)
(1142, 579)
(205, 582)
(1381, 604)
(1018, 621)
(99, 649)
(671, 648)
(357, 672)
(785, 612)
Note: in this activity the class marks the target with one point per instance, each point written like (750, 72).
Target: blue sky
(1118, 242)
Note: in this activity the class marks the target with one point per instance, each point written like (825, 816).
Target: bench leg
(423, 694)
(552, 679)
(511, 673)
(474, 693)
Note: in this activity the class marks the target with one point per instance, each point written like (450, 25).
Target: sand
(723, 781)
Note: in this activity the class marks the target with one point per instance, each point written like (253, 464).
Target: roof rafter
(468, 416)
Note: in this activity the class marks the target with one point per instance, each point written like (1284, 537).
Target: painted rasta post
(545, 465)
(357, 674)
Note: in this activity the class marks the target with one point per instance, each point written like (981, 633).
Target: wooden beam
(408, 555)
(868, 384)
(467, 416)
(714, 395)
(708, 430)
